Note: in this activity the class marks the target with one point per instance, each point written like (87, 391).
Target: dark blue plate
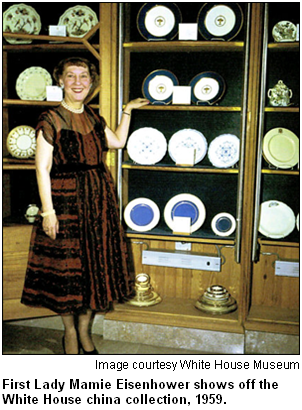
(207, 88)
(159, 92)
(142, 214)
(159, 21)
(220, 21)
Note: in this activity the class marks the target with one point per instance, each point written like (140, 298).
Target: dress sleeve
(45, 124)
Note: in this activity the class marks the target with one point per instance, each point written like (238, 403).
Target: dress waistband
(75, 168)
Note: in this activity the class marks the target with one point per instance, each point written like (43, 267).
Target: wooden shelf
(267, 242)
(183, 46)
(273, 319)
(163, 236)
(7, 102)
(294, 46)
(280, 172)
(215, 108)
(176, 312)
(282, 109)
(175, 168)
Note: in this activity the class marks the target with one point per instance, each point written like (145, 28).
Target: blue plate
(223, 224)
(207, 88)
(185, 205)
(159, 21)
(158, 86)
(141, 214)
(220, 21)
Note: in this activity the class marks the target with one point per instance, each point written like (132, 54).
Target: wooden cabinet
(19, 181)
(275, 299)
(250, 64)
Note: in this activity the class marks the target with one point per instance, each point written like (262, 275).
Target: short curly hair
(79, 62)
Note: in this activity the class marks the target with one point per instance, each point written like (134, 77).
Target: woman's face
(77, 83)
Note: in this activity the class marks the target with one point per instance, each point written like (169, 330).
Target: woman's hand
(137, 103)
(51, 226)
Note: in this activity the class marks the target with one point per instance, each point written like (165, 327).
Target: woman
(78, 259)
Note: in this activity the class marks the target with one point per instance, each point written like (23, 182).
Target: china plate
(277, 219)
(281, 148)
(31, 84)
(284, 31)
(158, 86)
(147, 146)
(220, 21)
(187, 138)
(223, 224)
(207, 88)
(21, 19)
(21, 142)
(158, 21)
(141, 214)
(79, 20)
(224, 150)
(185, 205)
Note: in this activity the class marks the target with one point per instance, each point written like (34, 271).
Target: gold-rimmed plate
(21, 142)
(281, 148)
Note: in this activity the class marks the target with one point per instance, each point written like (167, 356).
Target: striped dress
(85, 267)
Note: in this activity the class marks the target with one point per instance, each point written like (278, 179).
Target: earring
(62, 86)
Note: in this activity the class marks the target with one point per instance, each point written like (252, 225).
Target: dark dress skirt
(86, 266)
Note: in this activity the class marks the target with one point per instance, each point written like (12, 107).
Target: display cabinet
(250, 63)
(274, 297)
(220, 189)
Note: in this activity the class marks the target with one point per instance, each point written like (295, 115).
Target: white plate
(220, 21)
(159, 21)
(79, 20)
(284, 31)
(298, 222)
(207, 87)
(158, 86)
(32, 82)
(281, 148)
(21, 142)
(277, 219)
(224, 151)
(185, 205)
(141, 214)
(187, 138)
(147, 146)
(223, 224)
(21, 19)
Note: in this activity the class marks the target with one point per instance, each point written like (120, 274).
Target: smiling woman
(78, 258)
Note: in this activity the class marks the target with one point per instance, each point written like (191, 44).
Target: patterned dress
(85, 267)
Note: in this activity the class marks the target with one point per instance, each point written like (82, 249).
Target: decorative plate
(223, 224)
(21, 142)
(284, 31)
(281, 148)
(187, 138)
(158, 86)
(147, 146)
(159, 21)
(298, 222)
(277, 219)
(224, 151)
(207, 88)
(141, 214)
(79, 20)
(186, 205)
(31, 84)
(21, 19)
(220, 21)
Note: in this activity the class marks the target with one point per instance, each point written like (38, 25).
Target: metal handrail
(243, 138)
(260, 135)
